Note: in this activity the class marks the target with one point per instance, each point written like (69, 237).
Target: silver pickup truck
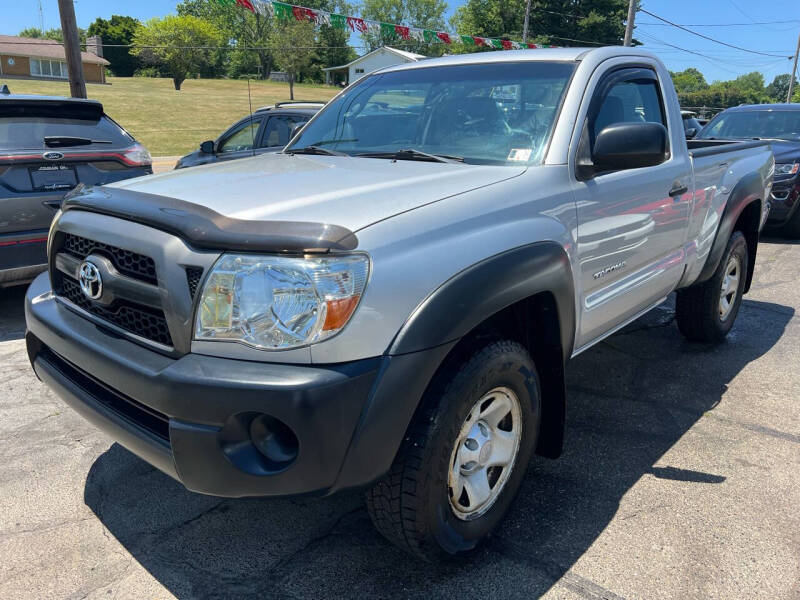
(391, 302)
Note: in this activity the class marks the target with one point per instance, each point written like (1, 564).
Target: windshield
(486, 114)
(769, 124)
(26, 127)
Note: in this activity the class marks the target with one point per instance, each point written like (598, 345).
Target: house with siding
(369, 62)
(32, 58)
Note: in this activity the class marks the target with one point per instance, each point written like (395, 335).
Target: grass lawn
(170, 123)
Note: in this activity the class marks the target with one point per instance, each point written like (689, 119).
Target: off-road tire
(697, 308)
(411, 505)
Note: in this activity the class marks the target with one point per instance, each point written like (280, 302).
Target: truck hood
(346, 191)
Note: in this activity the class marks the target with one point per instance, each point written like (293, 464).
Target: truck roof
(533, 55)
(765, 107)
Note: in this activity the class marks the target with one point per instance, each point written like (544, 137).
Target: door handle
(678, 190)
(54, 204)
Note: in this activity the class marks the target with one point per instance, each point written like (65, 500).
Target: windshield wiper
(59, 141)
(412, 154)
(315, 150)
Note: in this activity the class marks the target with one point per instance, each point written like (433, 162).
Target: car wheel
(706, 312)
(464, 456)
(791, 229)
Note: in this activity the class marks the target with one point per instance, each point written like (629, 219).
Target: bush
(147, 72)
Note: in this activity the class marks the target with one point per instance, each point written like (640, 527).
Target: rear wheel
(464, 456)
(706, 312)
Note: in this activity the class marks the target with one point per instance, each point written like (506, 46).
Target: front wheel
(706, 312)
(464, 456)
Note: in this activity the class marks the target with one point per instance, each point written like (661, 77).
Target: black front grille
(193, 275)
(128, 263)
(145, 417)
(147, 323)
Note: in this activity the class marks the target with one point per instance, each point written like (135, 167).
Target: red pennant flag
(532, 45)
(445, 37)
(479, 41)
(302, 14)
(356, 24)
(246, 4)
(403, 32)
(506, 44)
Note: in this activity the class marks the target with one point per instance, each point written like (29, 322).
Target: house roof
(405, 55)
(39, 48)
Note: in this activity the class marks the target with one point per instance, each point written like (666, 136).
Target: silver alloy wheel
(730, 287)
(484, 453)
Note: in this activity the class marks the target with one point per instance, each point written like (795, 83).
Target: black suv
(268, 129)
(48, 145)
(780, 125)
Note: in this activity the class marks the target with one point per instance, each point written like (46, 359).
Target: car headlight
(276, 302)
(787, 168)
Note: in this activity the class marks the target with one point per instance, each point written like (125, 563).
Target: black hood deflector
(202, 227)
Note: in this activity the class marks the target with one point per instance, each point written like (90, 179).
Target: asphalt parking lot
(681, 479)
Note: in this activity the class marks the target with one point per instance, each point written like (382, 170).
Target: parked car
(391, 301)
(268, 129)
(779, 124)
(48, 145)
(691, 124)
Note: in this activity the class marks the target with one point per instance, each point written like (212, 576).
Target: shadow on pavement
(12, 313)
(631, 398)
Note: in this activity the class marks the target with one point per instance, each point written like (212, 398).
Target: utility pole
(629, 26)
(794, 70)
(525, 25)
(72, 48)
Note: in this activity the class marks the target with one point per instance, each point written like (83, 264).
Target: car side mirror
(629, 146)
(294, 130)
(691, 132)
(207, 147)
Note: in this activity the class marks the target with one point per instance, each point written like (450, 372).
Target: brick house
(30, 58)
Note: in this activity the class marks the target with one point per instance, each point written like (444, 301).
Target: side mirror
(691, 132)
(629, 146)
(207, 147)
(295, 128)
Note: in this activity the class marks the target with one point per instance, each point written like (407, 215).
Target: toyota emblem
(52, 155)
(90, 280)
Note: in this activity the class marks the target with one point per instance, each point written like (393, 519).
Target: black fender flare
(749, 189)
(473, 295)
(449, 313)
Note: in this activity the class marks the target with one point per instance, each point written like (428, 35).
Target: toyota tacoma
(390, 302)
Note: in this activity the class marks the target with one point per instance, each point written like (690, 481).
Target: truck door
(631, 222)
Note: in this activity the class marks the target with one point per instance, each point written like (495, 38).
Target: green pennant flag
(282, 10)
(387, 31)
(497, 44)
(429, 35)
(338, 21)
(226, 2)
(467, 40)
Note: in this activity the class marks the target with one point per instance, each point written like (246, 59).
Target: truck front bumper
(230, 427)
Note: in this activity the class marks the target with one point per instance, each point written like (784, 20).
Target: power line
(707, 37)
(722, 24)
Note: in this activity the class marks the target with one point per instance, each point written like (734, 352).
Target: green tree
(247, 33)
(551, 21)
(688, 81)
(779, 88)
(50, 34)
(294, 46)
(117, 31)
(427, 14)
(176, 44)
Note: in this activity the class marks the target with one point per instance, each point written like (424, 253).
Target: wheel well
(748, 223)
(534, 323)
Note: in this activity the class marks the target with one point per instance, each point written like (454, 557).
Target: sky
(770, 27)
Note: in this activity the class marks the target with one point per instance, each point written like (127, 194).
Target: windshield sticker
(520, 154)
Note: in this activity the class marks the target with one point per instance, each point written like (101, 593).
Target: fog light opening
(274, 440)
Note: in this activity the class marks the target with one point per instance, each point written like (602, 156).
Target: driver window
(241, 139)
(636, 101)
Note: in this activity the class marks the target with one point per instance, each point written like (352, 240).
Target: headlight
(276, 303)
(787, 168)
